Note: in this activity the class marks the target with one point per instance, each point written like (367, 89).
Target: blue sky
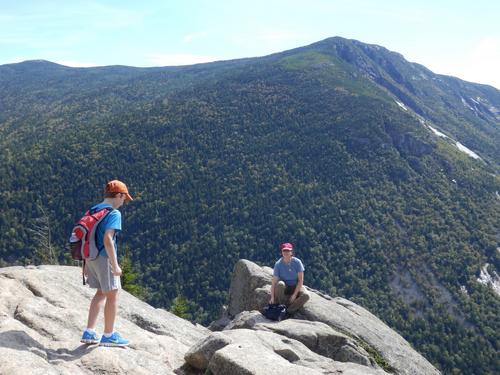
(459, 38)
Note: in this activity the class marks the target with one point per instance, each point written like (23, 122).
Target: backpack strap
(83, 273)
(92, 212)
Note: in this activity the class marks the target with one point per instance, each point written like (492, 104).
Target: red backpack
(82, 242)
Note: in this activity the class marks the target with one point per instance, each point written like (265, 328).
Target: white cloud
(483, 61)
(479, 64)
(188, 38)
(180, 59)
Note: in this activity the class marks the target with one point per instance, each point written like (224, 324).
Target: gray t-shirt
(288, 272)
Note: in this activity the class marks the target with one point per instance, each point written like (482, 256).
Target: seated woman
(288, 278)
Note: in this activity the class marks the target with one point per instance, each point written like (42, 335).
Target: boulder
(317, 336)
(200, 354)
(249, 281)
(43, 311)
(349, 317)
(244, 351)
(247, 359)
(224, 320)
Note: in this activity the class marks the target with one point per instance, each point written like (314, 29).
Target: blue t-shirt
(288, 272)
(113, 220)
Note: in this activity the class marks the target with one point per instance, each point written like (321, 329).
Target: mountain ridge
(324, 41)
(369, 59)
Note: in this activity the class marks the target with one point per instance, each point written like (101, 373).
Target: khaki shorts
(99, 275)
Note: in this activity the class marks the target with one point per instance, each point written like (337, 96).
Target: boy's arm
(109, 245)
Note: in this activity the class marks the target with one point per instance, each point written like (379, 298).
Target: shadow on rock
(20, 340)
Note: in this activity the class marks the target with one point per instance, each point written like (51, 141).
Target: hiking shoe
(90, 338)
(114, 340)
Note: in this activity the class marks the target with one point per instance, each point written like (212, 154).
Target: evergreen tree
(129, 277)
(180, 307)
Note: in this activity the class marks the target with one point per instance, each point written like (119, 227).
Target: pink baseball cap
(286, 246)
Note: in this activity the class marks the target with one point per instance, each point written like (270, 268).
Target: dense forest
(333, 147)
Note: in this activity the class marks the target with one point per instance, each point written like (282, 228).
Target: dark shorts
(289, 289)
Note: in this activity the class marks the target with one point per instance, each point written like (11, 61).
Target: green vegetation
(227, 160)
(180, 307)
(377, 357)
(130, 277)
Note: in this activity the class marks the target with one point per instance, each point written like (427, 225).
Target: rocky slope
(43, 310)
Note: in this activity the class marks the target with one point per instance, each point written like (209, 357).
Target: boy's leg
(110, 337)
(95, 308)
(110, 310)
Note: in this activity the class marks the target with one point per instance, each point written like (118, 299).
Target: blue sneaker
(90, 338)
(114, 340)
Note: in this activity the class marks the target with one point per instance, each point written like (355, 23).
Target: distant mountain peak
(36, 62)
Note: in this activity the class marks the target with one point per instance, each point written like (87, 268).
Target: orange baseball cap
(286, 246)
(116, 186)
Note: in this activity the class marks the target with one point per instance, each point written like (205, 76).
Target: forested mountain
(383, 174)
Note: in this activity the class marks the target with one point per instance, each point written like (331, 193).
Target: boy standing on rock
(288, 278)
(104, 272)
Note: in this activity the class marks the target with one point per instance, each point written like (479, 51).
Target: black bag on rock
(275, 312)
